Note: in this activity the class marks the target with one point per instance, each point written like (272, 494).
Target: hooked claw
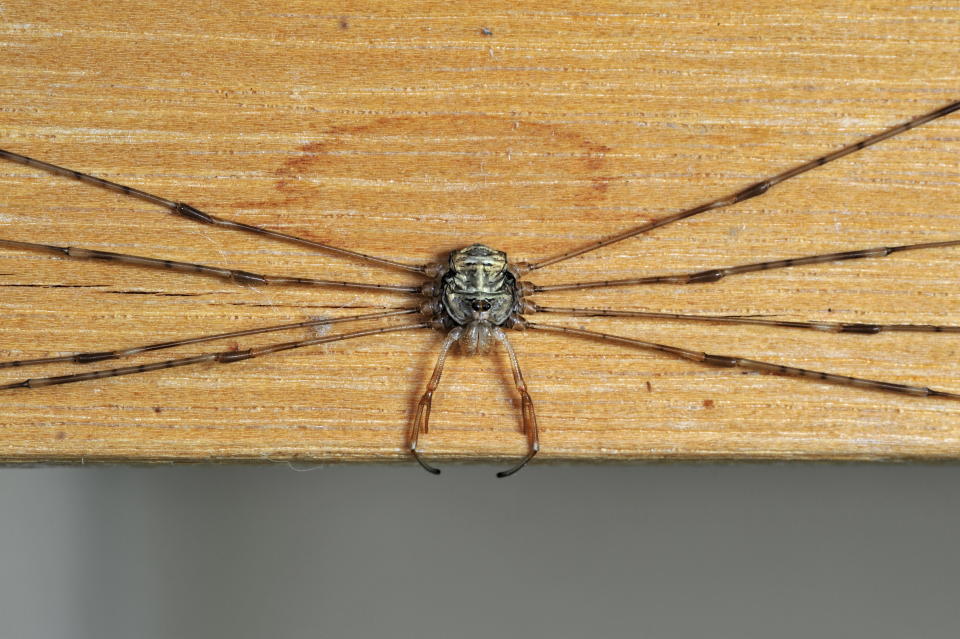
(507, 473)
(427, 467)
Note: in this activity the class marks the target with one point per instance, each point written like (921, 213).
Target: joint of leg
(192, 213)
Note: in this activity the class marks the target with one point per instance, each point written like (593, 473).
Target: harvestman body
(477, 293)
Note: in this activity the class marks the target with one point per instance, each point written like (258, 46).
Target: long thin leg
(528, 416)
(99, 356)
(241, 277)
(751, 364)
(828, 327)
(222, 357)
(716, 274)
(751, 191)
(195, 214)
(421, 422)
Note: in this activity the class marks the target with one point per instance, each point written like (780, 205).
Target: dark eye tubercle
(481, 305)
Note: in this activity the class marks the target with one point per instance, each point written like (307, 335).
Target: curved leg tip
(427, 467)
(511, 471)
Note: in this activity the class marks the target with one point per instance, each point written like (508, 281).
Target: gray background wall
(368, 551)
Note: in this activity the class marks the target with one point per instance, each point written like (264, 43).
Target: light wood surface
(404, 130)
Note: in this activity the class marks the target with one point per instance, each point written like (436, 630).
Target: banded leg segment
(754, 190)
(828, 327)
(222, 357)
(717, 274)
(192, 213)
(751, 364)
(99, 356)
(421, 422)
(234, 275)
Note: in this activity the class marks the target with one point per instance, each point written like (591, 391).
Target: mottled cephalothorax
(477, 290)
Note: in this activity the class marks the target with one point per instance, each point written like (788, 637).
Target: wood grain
(404, 130)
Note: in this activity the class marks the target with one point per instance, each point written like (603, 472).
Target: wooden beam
(407, 130)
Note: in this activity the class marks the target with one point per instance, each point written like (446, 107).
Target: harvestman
(477, 293)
